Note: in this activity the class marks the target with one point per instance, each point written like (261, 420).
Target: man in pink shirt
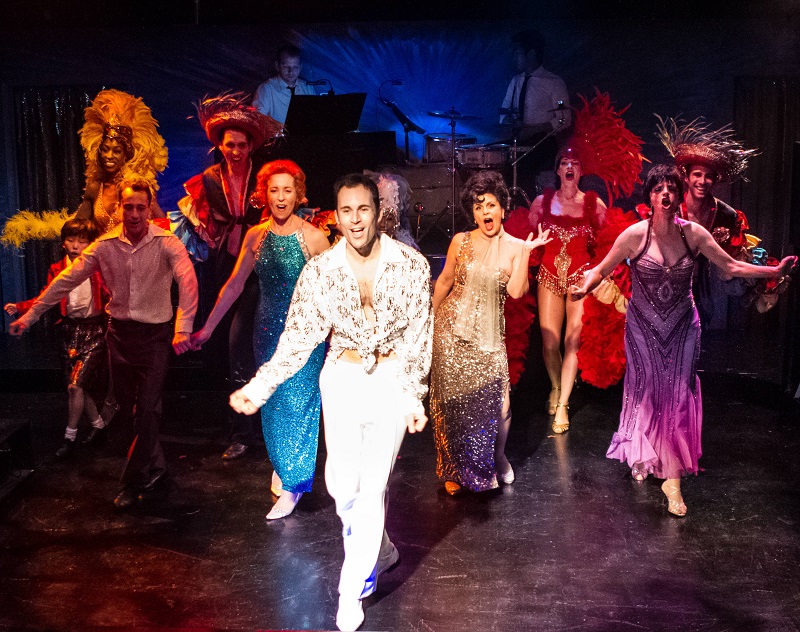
(138, 262)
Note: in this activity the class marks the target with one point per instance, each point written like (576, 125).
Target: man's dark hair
(287, 50)
(77, 227)
(530, 39)
(662, 173)
(353, 180)
(234, 127)
(135, 184)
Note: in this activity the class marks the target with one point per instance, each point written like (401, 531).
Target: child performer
(83, 327)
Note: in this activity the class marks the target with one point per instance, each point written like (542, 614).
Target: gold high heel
(552, 402)
(675, 504)
(561, 428)
(452, 488)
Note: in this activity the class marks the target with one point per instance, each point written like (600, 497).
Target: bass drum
(437, 146)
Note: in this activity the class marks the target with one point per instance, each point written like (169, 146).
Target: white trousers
(364, 426)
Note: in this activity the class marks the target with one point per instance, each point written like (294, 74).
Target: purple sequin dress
(662, 413)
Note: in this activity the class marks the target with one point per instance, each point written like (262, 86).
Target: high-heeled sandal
(561, 428)
(279, 510)
(638, 473)
(452, 488)
(552, 402)
(675, 504)
(276, 486)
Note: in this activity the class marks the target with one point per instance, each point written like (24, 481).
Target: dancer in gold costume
(469, 370)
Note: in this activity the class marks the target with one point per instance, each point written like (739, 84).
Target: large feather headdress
(605, 147)
(125, 118)
(695, 143)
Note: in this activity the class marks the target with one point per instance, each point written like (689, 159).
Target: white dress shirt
(543, 93)
(139, 278)
(273, 96)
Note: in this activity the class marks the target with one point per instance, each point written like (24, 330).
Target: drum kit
(461, 151)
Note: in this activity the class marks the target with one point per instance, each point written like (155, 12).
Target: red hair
(272, 169)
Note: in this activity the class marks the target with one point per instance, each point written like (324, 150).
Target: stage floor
(573, 544)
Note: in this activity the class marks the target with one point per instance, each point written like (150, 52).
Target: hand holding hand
(241, 404)
(180, 343)
(199, 338)
(416, 422)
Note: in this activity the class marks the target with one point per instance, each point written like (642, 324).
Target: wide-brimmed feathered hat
(695, 143)
(229, 109)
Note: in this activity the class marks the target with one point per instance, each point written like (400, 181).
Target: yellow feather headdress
(119, 115)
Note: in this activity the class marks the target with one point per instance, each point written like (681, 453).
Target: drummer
(536, 104)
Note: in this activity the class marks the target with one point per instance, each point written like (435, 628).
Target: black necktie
(521, 101)
(291, 89)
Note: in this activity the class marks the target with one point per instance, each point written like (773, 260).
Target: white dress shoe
(350, 615)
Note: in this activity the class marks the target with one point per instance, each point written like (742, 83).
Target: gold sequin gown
(467, 388)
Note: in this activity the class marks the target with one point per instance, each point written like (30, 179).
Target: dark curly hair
(481, 183)
(662, 173)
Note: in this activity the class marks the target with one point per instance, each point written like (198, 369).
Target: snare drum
(437, 146)
(482, 156)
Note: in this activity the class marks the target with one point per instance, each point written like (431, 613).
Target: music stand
(312, 115)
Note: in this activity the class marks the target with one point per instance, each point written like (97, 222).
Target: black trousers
(229, 353)
(139, 355)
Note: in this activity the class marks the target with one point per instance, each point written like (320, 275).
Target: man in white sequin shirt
(372, 294)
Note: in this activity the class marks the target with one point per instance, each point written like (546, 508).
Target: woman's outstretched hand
(787, 264)
(198, 339)
(542, 239)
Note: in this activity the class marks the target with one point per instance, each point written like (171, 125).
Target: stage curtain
(767, 117)
(50, 168)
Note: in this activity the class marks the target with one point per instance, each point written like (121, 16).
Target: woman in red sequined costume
(573, 218)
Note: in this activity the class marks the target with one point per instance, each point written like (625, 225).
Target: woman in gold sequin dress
(119, 139)
(469, 369)
(573, 217)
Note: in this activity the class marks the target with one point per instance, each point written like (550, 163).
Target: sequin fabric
(467, 389)
(327, 300)
(84, 349)
(567, 256)
(661, 418)
(290, 418)
(104, 220)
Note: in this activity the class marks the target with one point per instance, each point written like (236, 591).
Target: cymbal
(452, 114)
(559, 108)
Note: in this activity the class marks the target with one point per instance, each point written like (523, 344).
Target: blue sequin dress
(290, 418)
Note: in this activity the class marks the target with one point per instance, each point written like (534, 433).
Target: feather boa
(601, 356)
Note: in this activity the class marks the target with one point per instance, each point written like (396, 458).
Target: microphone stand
(407, 123)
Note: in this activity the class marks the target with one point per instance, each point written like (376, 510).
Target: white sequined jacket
(326, 300)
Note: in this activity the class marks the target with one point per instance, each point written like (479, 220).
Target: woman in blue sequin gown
(661, 421)
(277, 249)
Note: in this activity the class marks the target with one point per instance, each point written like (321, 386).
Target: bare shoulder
(254, 234)
(315, 238)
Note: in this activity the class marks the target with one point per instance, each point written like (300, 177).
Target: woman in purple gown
(661, 420)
